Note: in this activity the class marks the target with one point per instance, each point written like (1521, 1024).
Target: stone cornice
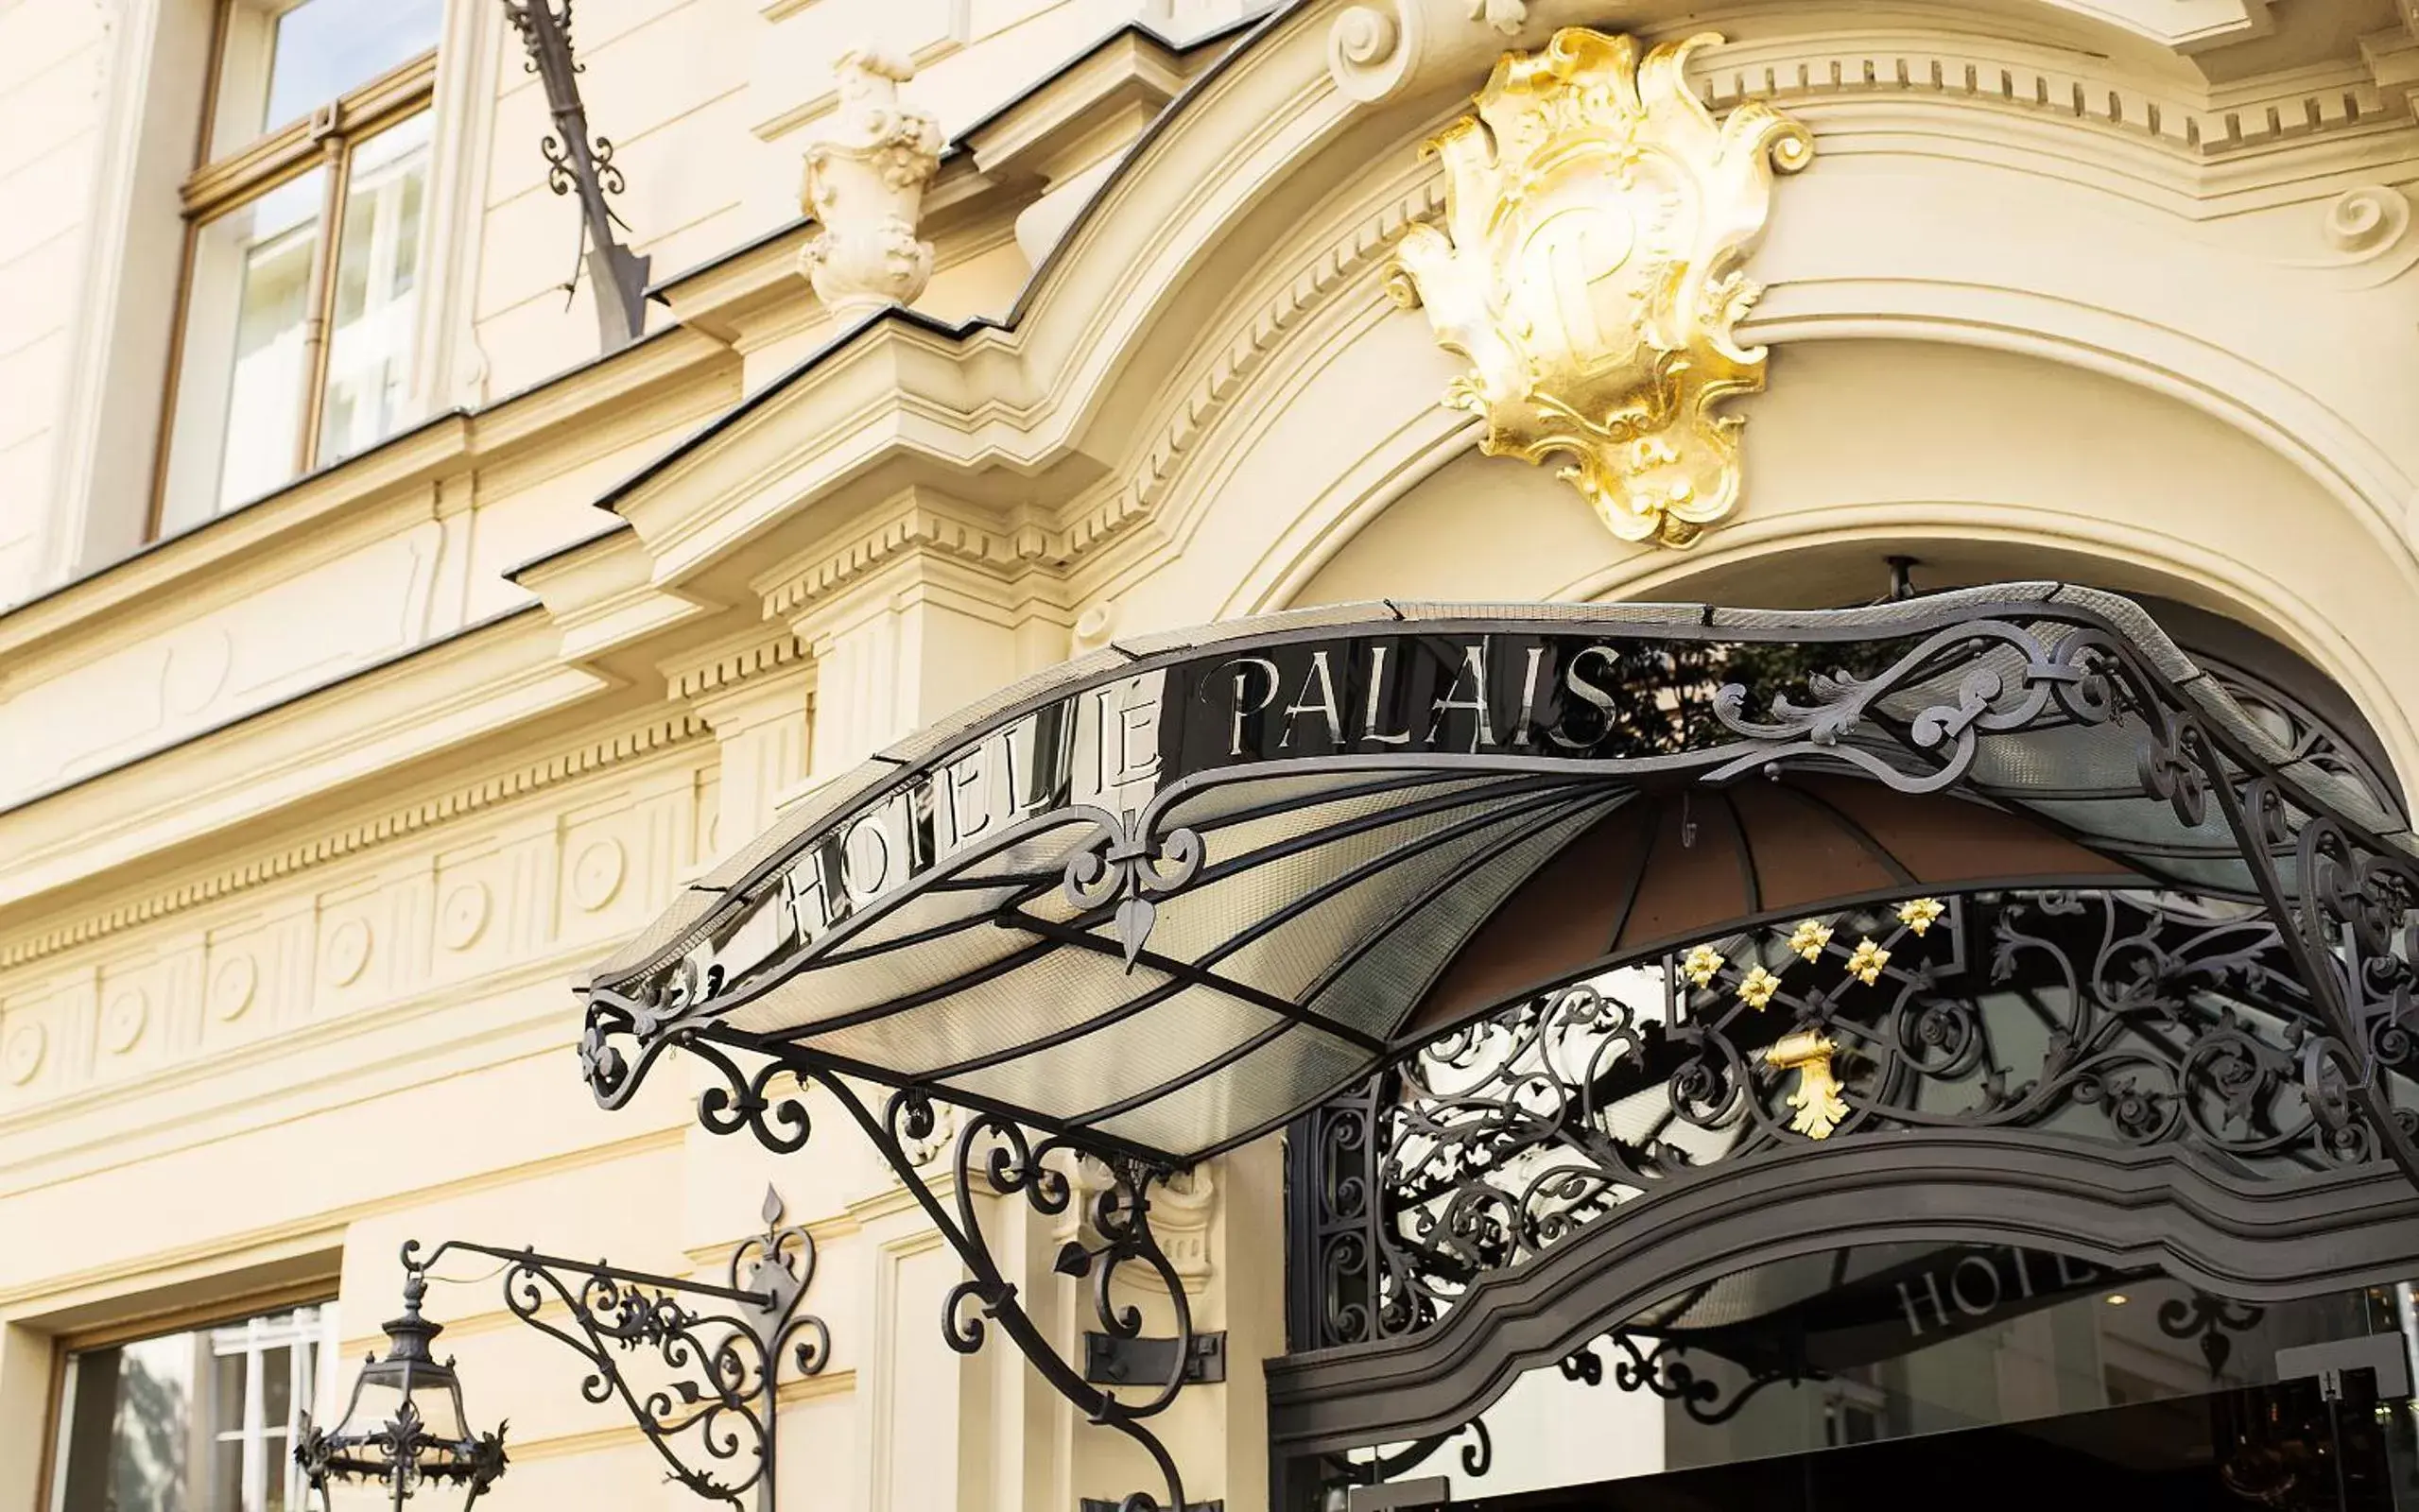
(2205, 125)
(923, 523)
(414, 708)
(449, 805)
(560, 413)
(1006, 414)
(730, 662)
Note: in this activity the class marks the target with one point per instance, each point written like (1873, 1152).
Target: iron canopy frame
(2337, 874)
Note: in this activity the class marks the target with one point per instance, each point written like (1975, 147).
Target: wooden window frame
(325, 138)
(318, 1291)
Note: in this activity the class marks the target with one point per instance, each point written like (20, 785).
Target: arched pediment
(1203, 390)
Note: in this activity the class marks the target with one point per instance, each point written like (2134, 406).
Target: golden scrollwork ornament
(1596, 217)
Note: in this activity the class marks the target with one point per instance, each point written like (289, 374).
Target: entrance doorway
(2281, 1447)
(1921, 1376)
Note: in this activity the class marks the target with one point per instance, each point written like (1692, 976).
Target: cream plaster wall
(307, 819)
(56, 59)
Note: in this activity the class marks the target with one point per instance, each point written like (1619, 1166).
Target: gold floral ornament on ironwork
(1920, 914)
(1700, 965)
(1596, 216)
(1866, 962)
(1820, 1106)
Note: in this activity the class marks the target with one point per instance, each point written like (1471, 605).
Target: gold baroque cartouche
(1596, 216)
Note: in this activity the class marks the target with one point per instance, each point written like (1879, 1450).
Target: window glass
(237, 428)
(1869, 1378)
(377, 290)
(200, 1421)
(282, 63)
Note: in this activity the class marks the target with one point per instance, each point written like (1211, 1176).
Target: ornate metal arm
(582, 164)
(991, 1153)
(726, 1349)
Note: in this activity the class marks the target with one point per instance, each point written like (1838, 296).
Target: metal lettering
(1243, 665)
(808, 892)
(1369, 730)
(1528, 696)
(1956, 1292)
(1907, 1301)
(971, 772)
(1324, 676)
(1474, 663)
(866, 872)
(1138, 719)
(1585, 692)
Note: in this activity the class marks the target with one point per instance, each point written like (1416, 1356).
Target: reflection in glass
(237, 429)
(200, 1421)
(1862, 1377)
(377, 290)
(282, 63)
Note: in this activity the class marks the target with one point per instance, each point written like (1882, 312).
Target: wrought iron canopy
(1167, 896)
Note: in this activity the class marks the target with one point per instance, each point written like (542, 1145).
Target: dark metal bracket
(2383, 1353)
(579, 165)
(1111, 1361)
(1401, 1496)
(730, 1347)
(1094, 1503)
(992, 1159)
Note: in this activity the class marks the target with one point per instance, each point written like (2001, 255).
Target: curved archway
(1998, 465)
(2122, 1209)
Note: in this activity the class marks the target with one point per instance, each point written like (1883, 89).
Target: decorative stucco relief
(225, 662)
(2012, 76)
(1258, 332)
(865, 185)
(1590, 269)
(21, 1049)
(350, 840)
(232, 987)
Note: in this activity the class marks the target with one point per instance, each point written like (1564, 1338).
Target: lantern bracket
(992, 1155)
(728, 1348)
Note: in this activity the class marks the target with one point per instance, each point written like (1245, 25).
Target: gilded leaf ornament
(1596, 217)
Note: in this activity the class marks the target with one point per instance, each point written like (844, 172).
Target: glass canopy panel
(1304, 854)
(1296, 1068)
(1123, 1057)
(1366, 987)
(1336, 809)
(1293, 952)
(1061, 992)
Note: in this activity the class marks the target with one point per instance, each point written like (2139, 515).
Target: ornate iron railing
(2136, 1018)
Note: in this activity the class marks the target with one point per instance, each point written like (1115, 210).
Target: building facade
(384, 641)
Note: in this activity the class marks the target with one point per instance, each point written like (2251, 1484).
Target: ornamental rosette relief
(1589, 267)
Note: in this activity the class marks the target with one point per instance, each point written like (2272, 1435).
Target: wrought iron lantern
(404, 1431)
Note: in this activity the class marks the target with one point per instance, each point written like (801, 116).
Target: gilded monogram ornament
(1597, 217)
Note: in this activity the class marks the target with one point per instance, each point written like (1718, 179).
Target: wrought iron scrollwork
(582, 164)
(715, 1355)
(2134, 1018)
(1996, 677)
(991, 1156)
(2346, 899)
(1133, 867)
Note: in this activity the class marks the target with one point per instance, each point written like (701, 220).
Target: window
(303, 259)
(198, 1421)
